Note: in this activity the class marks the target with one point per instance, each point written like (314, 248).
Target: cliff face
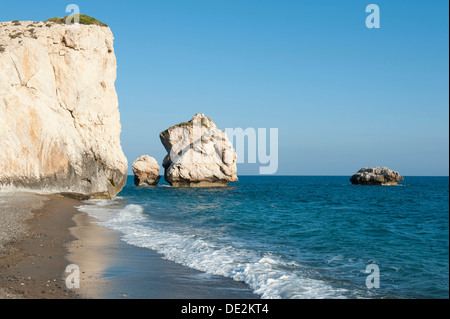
(59, 117)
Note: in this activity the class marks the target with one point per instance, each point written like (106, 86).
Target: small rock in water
(376, 176)
(146, 171)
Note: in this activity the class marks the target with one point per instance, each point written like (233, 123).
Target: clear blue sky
(342, 96)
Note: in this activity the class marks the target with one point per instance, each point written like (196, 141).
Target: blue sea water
(296, 236)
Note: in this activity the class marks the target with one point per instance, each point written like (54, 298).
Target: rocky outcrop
(59, 117)
(376, 176)
(199, 154)
(146, 171)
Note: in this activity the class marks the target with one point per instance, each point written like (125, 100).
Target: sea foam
(266, 274)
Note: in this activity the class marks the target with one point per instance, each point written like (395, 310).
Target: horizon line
(315, 175)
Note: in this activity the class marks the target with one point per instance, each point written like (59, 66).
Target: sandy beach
(42, 234)
(34, 244)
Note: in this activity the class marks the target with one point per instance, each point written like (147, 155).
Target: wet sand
(113, 269)
(42, 235)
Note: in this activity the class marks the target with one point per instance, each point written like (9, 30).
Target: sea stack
(146, 171)
(376, 176)
(59, 117)
(199, 154)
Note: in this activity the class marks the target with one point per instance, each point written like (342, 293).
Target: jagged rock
(199, 154)
(146, 171)
(376, 176)
(59, 117)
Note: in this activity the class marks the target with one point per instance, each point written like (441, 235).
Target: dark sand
(56, 234)
(34, 263)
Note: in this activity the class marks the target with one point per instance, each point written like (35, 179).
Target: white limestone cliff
(59, 117)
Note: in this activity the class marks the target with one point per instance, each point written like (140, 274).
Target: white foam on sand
(267, 275)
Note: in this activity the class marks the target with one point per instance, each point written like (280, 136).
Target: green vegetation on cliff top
(84, 19)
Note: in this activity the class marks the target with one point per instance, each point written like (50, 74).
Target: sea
(296, 236)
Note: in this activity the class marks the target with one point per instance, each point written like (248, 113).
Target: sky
(342, 96)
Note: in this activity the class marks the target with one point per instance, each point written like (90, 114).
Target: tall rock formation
(199, 154)
(59, 117)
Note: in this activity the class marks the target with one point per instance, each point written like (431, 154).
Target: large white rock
(199, 154)
(59, 117)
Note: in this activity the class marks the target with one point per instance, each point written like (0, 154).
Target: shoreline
(52, 233)
(118, 270)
